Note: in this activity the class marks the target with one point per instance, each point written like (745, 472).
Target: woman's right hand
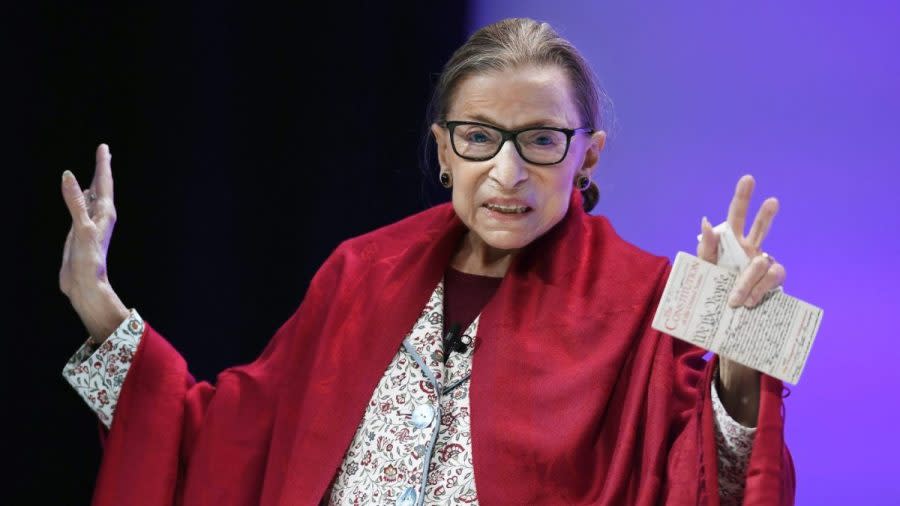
(83, 277)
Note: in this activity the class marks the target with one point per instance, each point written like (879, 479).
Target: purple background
(805, 98)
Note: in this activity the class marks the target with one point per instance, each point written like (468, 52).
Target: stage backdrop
(804, 96)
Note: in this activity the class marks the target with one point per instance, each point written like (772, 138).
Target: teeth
(506, 209)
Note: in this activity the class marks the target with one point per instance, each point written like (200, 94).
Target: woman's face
(506, 201)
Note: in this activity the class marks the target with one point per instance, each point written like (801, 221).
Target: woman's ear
(592, 156)
(442, 140)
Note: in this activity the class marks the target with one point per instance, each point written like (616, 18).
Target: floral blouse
(413, 445)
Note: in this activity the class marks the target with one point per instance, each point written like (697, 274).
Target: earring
(446, 179)
(583, 183)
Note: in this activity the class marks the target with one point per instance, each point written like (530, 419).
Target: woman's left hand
(738, 385)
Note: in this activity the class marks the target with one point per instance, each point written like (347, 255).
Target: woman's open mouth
(507, 209)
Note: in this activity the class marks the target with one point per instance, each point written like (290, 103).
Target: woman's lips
(506, 209)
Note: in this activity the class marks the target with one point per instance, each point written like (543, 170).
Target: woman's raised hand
(763, 273)
(739, 385)
(83, 276)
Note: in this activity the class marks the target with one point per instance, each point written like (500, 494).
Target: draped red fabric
(574, 398)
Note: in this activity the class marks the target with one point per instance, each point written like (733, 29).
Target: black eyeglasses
(538, 145)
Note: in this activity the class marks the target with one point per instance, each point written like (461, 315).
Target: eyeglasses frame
(513, 134)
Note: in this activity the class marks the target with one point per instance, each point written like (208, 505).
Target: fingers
(74, 199)
(760, 276)
(708, 247)
(102, 184)
(737, 210)
(748, 279)
(774, 277)
(763, 222)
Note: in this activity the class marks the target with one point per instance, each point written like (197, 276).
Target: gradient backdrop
(806, 97)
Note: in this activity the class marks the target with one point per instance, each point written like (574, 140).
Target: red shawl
(575, 399)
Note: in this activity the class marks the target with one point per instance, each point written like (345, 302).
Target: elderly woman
(495, 350)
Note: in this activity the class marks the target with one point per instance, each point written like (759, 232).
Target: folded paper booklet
(774, 337)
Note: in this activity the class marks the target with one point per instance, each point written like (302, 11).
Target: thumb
(708, 247)
(74, 198)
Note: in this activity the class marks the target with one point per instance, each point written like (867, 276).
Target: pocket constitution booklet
(773, 337)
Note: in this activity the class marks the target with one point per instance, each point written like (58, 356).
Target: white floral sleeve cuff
(734, 443)
(97, 373)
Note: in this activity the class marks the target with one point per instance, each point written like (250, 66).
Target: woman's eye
(542, 138)
(478, 137)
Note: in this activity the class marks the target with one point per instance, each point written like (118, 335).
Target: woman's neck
(474, 256)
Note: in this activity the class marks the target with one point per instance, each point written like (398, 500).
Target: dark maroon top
(465, 295)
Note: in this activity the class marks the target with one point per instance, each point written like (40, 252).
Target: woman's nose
(509, 168)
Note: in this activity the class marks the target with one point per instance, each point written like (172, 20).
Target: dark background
(247, 143)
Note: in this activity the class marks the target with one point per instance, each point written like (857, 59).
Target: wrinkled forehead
(515, 98)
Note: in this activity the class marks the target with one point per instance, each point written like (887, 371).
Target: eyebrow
(539, 123)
